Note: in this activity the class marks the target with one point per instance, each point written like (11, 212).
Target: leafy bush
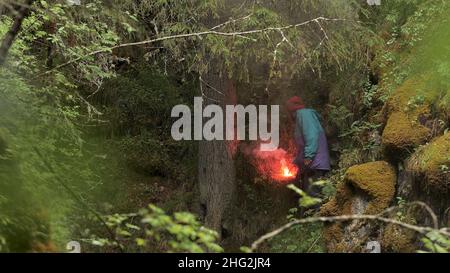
(181, 232)
(436, 243)
(139, 103)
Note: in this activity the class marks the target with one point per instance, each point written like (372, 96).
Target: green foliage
(138, 94)
(350, 114)
(27, 123)
(436, 242)
(46, 104)
(327, 186)
(287, 52)
(41, 112)
(401, 209)
(414, 102)
(138, 104)
(305, 200)
(299, 239)
(361, 128)
(180, 232)
(369, 94)
(420, 29)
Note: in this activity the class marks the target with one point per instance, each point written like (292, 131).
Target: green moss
(375, 180)
(308, 240)
(331, 208)
(408, 110)
(413, 97)
(432, 162)
(333, 236)
(401, 134)
(398, 240)
(443, 106)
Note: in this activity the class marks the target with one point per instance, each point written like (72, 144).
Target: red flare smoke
(276, 165)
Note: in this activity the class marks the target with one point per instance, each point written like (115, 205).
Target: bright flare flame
(275, 165)
(286, 172)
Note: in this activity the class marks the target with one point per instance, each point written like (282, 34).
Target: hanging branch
(212, 31)
(21, 13)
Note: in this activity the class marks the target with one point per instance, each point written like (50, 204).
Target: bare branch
(203, 93)
(231, 21)
(344, 218)
(240, 34)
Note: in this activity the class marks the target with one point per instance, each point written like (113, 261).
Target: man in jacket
(312, 157)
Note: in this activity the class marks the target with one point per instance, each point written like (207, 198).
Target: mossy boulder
(377, 180)
(413, 97)
(432, 163)
(366, 189)
(409, 114)
(374, 182)
(402, 134)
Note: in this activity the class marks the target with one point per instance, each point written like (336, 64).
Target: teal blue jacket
(311, 140)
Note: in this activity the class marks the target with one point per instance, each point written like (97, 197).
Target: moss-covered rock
(408, 112)
(401, 135)
(376, 179)
(367, 189)
(398, 240)
(432, 163)
(413, 97)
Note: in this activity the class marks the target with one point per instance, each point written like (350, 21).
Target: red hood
(295, 103)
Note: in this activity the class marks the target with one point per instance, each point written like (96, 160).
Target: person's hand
(307, 162)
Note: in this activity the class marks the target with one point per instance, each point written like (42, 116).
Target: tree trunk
(216, 180)
(22, 13)
(216, 173)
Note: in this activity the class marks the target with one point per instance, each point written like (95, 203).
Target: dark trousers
(306, 181)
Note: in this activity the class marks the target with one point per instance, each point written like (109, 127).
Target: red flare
(275, 165)
(285, 169)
